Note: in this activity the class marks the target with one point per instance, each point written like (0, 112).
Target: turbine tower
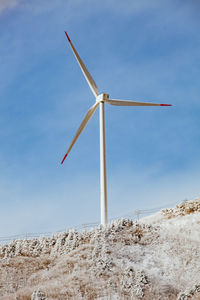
(100, 100)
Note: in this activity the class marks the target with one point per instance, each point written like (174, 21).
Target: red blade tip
(67, 36)
(63, 159)
(165, 104)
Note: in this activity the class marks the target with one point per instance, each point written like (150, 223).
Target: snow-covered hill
(157, 257)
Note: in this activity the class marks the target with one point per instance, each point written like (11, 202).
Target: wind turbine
(100, 100)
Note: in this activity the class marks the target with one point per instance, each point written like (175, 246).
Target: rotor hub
(102, 97)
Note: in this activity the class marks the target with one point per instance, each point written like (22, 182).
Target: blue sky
(144, 50)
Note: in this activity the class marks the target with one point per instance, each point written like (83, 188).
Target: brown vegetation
(185, 208)
(125, 260)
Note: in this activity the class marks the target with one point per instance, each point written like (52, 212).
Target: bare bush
(185, 208)
(124, 260)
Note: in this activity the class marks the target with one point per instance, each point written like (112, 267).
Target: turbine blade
(82, 126)
(132, 103)
(87, 75)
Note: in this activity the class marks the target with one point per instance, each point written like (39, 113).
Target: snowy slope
(155, 258)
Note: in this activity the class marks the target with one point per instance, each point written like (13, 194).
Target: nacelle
(102, 97)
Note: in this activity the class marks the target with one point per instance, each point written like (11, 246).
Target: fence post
(137, 212)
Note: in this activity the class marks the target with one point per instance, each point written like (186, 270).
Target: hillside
(157, 257)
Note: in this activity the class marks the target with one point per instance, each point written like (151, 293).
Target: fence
(135, 215)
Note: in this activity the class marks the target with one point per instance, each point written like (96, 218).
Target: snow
(157, 257)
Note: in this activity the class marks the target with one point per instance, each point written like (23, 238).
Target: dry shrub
(185, 208)
(125, 260)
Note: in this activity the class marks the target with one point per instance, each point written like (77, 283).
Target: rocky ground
(157, 257)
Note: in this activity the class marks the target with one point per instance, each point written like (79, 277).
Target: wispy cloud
(7, 4)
